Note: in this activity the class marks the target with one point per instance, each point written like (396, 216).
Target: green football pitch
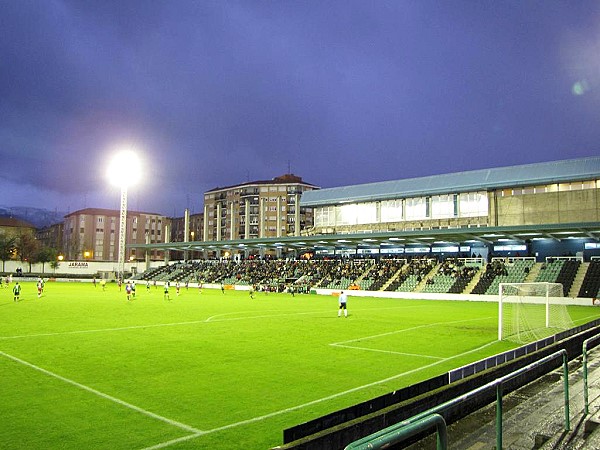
(84, 368)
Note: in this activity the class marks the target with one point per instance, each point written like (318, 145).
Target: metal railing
(586, 402)
(367, 442)
(400, 435)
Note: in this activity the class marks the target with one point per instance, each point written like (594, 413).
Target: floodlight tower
(123, 171)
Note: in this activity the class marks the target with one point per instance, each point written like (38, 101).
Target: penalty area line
(319, 400)
(174, 441)
(145, 412)
(404, 330)
(391, 352)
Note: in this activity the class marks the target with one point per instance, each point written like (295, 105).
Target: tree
(54, 265)
(46, 254)
(7, 248)
(27, 247)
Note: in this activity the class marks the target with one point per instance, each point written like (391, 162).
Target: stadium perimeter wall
(76, 267)
(430, 296)
(401, 295)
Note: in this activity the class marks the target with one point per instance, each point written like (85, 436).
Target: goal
(531, 311)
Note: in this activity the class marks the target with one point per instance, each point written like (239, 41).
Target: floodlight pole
(122, 232)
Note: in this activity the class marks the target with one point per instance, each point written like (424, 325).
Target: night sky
(216, 93)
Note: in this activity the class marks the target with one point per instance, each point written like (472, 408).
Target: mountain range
(37, 216)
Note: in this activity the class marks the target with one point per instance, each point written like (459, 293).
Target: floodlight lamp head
(124, 169)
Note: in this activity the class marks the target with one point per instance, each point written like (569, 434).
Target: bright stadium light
(123, 171)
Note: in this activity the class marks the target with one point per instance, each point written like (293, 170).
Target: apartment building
(257, 209)
(93, 234)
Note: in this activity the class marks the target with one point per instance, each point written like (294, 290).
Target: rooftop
(288, 178)
(513, 176)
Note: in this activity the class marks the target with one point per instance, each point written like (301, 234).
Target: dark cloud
(216, 93)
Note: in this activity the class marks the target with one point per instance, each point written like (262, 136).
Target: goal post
(531, 311)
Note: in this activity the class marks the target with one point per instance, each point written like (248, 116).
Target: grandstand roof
(512, 176)
(425, 237)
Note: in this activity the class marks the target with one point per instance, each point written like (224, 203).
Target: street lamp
(123, 171)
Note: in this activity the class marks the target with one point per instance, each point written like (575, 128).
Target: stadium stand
(591, 283)
(426, 275)
(559, 271)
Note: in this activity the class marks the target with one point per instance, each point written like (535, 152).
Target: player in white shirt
(343, 299)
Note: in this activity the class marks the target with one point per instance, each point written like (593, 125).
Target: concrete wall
(550, 207)
(76, 267)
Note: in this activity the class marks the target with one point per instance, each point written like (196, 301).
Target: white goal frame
(545, 299)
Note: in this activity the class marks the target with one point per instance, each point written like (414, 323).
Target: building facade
(257, 209)
(52, 236)
(93, 234)
(12, 226)
(177, 233)
(545, 193)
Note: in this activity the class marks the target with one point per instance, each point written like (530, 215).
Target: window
(325, 217)
(442, 206)
(473, 204)
(356, 213)
(528, 190)
(391, 211)
(416, 208)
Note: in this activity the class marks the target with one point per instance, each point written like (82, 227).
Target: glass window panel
(391, 211)
(473, 204)
(416, 208)
(442, 206)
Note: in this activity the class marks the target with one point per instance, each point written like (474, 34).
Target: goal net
(531, 311)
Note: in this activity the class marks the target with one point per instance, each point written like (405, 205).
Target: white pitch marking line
(324, 399)
(157, 325)
(583, 320)
(386, 351)
(105, 396)
(262, 316)
(174, 441)
(375, 336)
(174, 324)
(103, 330)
